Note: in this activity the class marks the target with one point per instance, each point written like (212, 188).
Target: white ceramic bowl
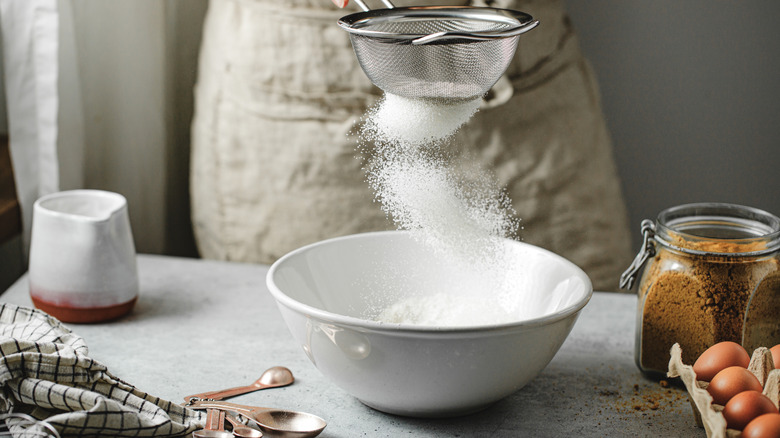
(324, 292)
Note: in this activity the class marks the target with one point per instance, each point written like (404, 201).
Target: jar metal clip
(647, 251)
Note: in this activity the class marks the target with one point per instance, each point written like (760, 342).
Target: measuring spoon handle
(221, 405)
(226, 393)
(215, 420)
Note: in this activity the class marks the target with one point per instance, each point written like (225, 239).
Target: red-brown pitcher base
(84, 315)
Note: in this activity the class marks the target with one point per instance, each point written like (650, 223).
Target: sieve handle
(364, 7)
(475, 36)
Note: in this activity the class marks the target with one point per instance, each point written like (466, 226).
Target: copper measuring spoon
(242, 430)
(215, 426)
(273, 377)
(275, 423)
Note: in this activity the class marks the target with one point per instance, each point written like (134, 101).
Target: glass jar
(710, 272)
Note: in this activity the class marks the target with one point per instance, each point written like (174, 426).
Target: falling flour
(459, 212)
(409, 121)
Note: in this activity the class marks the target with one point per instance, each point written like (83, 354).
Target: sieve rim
(359, 22)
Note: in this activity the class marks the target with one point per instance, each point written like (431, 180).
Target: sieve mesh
(478, 46)
(451, 71)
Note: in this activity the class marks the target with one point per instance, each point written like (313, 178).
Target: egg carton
(708, 414)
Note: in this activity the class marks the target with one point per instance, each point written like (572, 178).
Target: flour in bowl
(445, 310)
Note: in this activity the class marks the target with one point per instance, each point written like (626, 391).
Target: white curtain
(30, 31)
(99, 95)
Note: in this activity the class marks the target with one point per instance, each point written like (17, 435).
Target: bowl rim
(390, 327)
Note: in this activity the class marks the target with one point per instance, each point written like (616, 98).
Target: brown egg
(718, 357)
(776, 355)
(745, 406)
(763, 426)
(730, 382)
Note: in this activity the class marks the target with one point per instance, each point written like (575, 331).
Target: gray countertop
(203, 325)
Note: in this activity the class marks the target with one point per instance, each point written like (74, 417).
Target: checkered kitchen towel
(46, 373)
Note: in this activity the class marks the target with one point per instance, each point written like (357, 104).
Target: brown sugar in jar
(711, 274)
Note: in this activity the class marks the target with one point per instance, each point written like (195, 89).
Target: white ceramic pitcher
(82, 257)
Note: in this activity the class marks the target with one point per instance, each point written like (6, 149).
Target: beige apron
(273, 167)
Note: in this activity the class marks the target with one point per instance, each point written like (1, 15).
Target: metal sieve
(435, 52)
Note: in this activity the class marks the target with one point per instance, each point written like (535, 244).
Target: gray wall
(691, 92)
